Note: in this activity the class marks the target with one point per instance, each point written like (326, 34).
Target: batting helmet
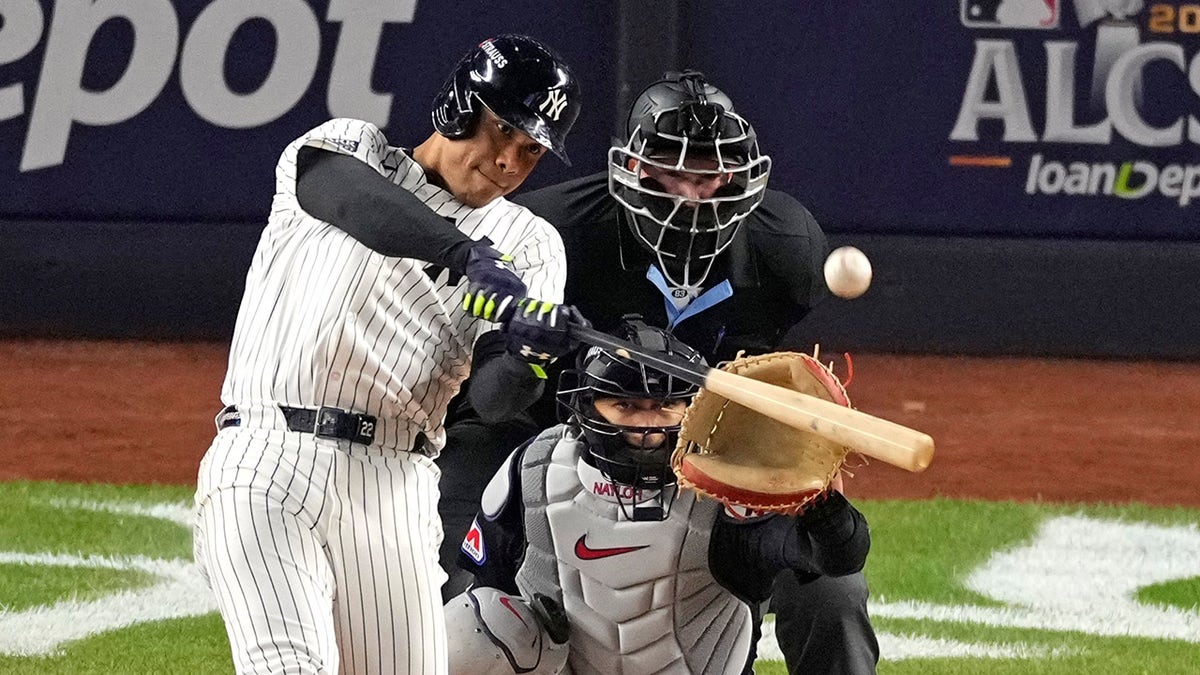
(684, 124)
(521, 81)
(604, 373)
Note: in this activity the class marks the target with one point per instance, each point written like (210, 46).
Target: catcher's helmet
(603, 373)
(521, 81)
(684, 124)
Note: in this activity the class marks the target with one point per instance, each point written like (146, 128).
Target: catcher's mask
(682, 126)
(602, 373)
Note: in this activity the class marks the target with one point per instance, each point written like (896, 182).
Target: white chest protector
(640, 595)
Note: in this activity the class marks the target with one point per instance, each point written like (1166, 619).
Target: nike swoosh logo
(585, 552)
(504, 600)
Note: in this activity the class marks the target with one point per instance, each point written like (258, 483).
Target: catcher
(586, 526)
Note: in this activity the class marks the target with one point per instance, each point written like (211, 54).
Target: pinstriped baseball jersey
(327, 321)
(323, 552)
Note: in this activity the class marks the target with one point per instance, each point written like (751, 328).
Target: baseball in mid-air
(847, 272)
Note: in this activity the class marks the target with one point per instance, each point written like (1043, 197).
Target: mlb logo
(473, 544)
(744, 513)
(1029, 14)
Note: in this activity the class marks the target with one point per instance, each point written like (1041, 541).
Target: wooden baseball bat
(872, 436)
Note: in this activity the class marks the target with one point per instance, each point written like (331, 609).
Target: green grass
(25, 586)
(1083, 654)
(1184, 594)
(35, 521)
(179, 646)
(938, 541)
(922, 552)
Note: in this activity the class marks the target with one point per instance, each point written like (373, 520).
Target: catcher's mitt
(743, 458)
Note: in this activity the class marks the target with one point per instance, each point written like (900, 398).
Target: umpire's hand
(540, 332)
(494, 287)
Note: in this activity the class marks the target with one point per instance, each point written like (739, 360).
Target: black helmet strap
(693, 83)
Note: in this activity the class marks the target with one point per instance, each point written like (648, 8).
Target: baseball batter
(317, 521)
(587, 515)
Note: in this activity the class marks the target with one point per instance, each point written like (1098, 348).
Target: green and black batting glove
(494, 288)
(540, 332)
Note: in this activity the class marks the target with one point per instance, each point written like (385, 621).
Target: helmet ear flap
(455, 110)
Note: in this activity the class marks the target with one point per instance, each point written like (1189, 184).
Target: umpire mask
(689, 174)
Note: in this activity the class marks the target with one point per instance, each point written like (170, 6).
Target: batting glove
(494, 287)
(540, 332)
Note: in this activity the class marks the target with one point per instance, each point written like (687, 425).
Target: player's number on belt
(553, 105)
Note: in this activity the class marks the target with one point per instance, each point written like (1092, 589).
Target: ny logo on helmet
(553, 106)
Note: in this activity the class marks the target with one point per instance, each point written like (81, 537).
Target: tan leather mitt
(745, 459)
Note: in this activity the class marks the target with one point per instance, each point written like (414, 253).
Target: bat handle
(588, 335)
(696, 373)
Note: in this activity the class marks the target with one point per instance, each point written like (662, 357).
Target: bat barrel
(869, 435)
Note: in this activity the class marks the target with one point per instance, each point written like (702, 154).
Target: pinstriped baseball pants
(323, 555)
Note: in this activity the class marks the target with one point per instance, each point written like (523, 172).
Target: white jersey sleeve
(361, 140)
(536, 247)
(541, 262)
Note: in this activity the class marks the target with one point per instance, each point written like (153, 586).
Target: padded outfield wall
(1023, 173)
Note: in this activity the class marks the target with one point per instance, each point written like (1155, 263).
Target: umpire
(681, 229)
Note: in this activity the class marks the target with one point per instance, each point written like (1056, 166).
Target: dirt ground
(1013, 428)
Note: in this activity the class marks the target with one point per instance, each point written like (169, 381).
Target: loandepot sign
(160, 46)
(1131, 37)
(1077, 574)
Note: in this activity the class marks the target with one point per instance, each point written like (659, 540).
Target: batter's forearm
(501, 385)
(384, 217)
(503, 388)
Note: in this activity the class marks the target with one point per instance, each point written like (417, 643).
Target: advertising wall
(176, 111)
(146, 131)
(962, 117)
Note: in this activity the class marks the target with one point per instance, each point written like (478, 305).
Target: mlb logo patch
(343, 143)
(744, 513)
(473, 543)
(1028, 14)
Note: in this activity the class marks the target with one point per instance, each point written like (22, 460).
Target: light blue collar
(705, 300)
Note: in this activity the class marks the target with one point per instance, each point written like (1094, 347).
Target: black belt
(324, 422)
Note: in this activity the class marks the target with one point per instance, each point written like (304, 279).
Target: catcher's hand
(745, 459)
